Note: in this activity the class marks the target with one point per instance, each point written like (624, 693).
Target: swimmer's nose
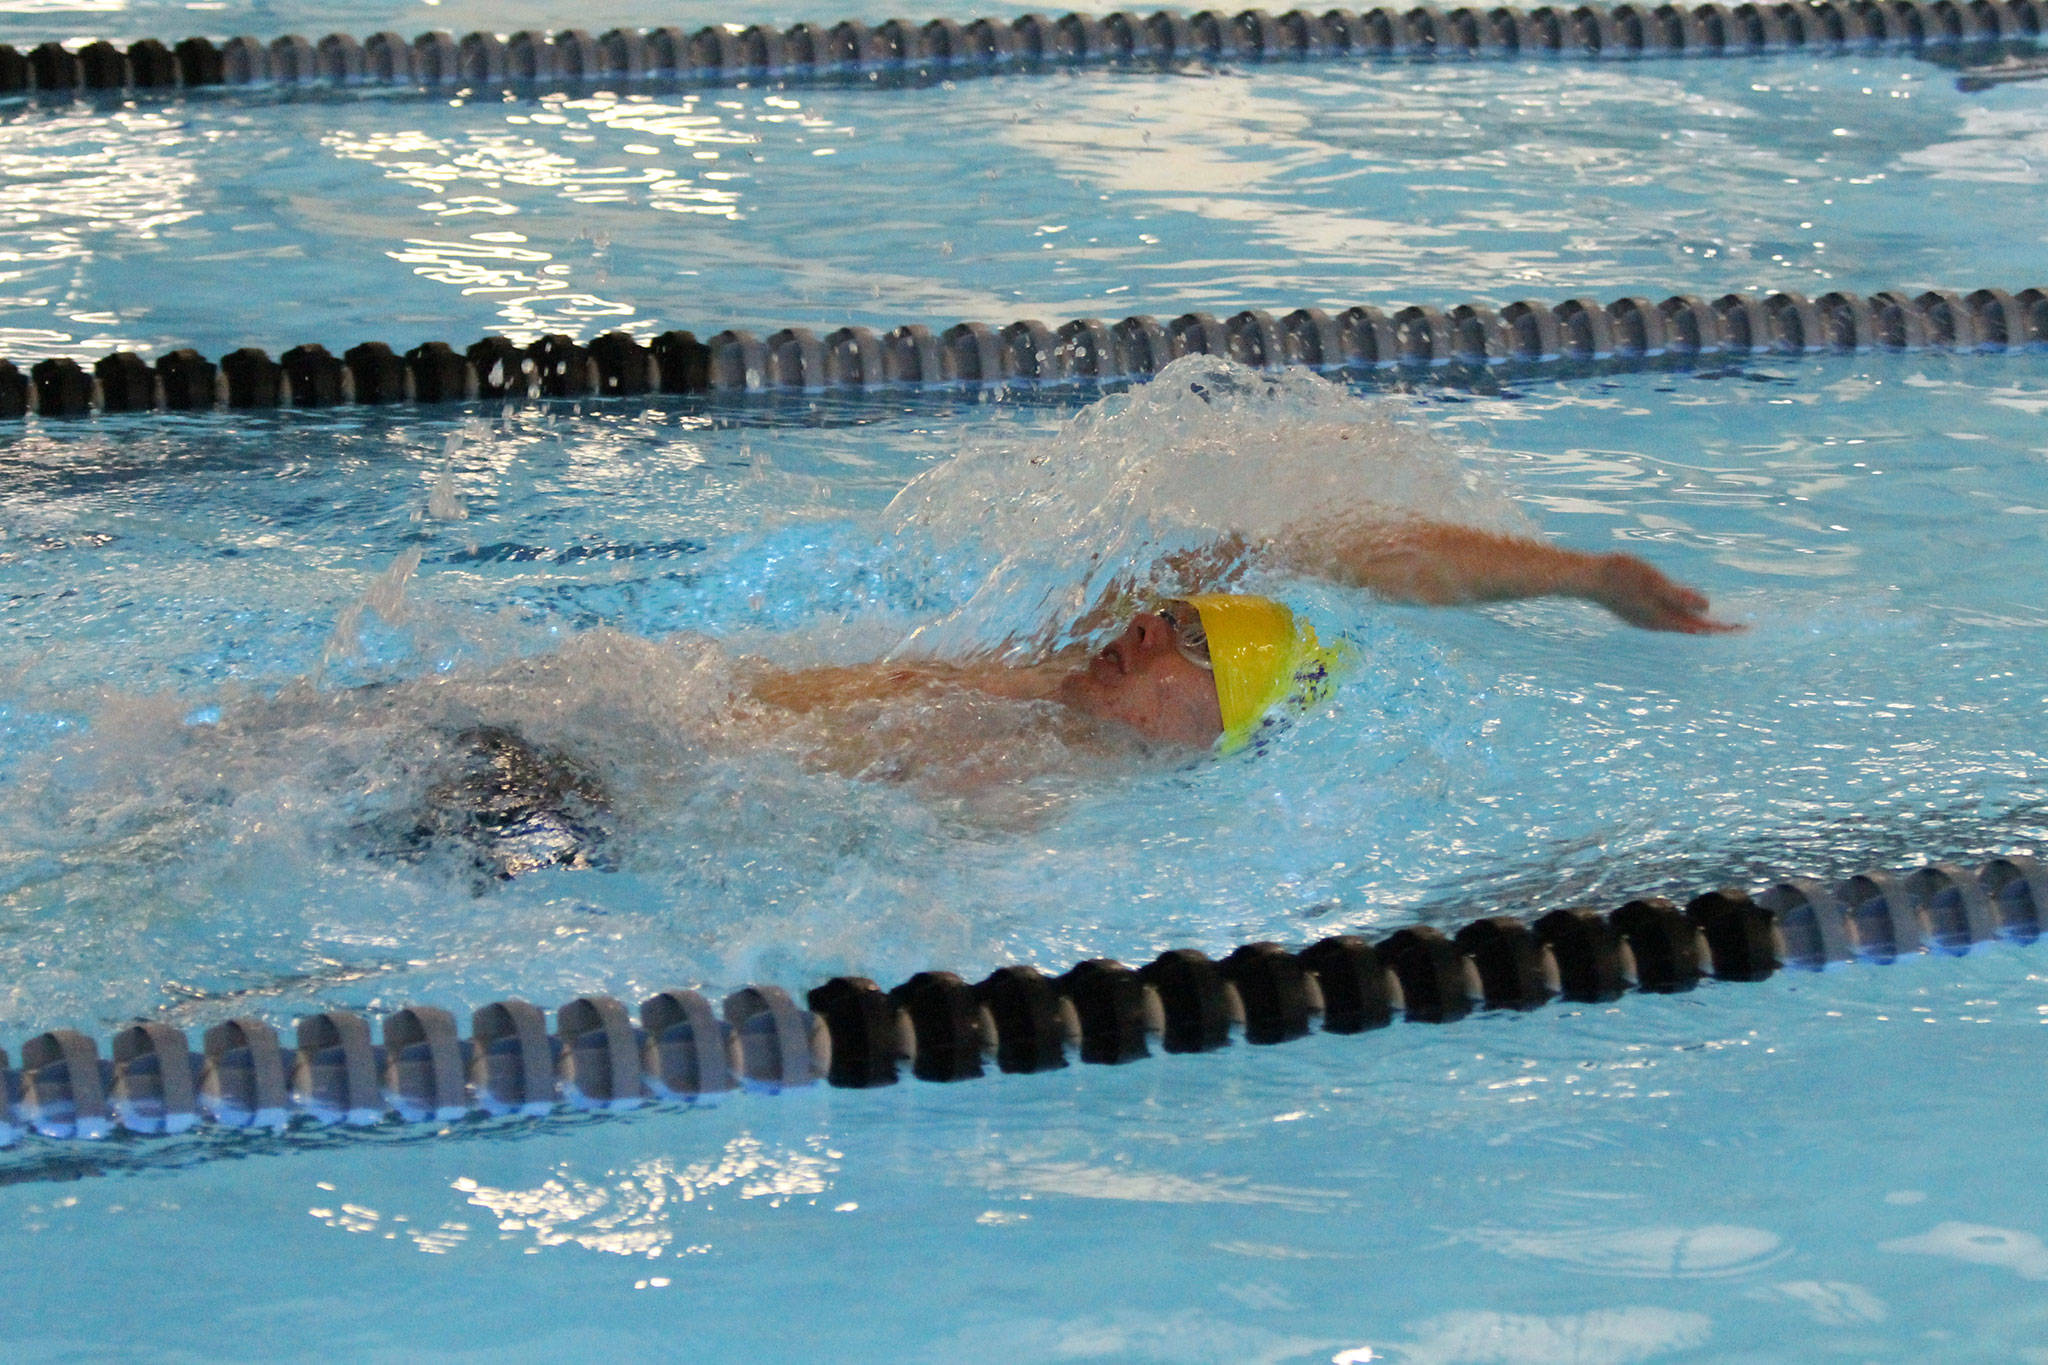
(1146, 632)
(1149, 630)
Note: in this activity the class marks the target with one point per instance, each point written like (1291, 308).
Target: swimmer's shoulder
(838, 685)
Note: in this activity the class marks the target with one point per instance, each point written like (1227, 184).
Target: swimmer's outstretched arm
(1437, 564)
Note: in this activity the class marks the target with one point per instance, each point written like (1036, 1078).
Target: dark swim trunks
(506, 808)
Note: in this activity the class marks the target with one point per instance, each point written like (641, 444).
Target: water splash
(385, 597)
(1208, 449)
(444, 503)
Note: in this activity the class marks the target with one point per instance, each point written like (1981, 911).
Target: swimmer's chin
(1073, 694)
(1101, 730)
(1088, 700)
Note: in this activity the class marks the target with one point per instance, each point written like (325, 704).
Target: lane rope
(1410, 343)
(849, 1032)
(850, 51)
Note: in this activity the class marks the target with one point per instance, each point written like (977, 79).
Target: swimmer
(1203, 670)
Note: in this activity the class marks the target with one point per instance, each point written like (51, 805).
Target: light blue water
(1810, 1168)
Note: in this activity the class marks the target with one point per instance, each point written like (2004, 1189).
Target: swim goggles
(1190, 637)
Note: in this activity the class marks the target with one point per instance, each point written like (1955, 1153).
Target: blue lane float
(600, 1057)
(1411, 343)
(731, 54)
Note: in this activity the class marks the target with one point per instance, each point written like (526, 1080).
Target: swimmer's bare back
(840, 687)
(958, 729)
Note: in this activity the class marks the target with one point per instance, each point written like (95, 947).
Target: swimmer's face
(1141, 679)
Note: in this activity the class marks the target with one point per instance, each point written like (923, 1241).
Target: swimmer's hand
(1642, 596)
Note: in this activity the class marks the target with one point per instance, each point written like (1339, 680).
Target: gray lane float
(850, 1033)
(1409, 343)
(729, 54)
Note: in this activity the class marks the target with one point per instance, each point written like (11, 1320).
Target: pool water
(233, 646)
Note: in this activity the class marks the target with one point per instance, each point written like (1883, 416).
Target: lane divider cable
(849, 1032)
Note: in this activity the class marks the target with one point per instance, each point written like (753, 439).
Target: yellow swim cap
(1262, 657)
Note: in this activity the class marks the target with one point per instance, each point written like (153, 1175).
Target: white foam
(1208, 449)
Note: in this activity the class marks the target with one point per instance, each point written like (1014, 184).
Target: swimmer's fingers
(1686, 612)
(1705, 625)
(1641, 595)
